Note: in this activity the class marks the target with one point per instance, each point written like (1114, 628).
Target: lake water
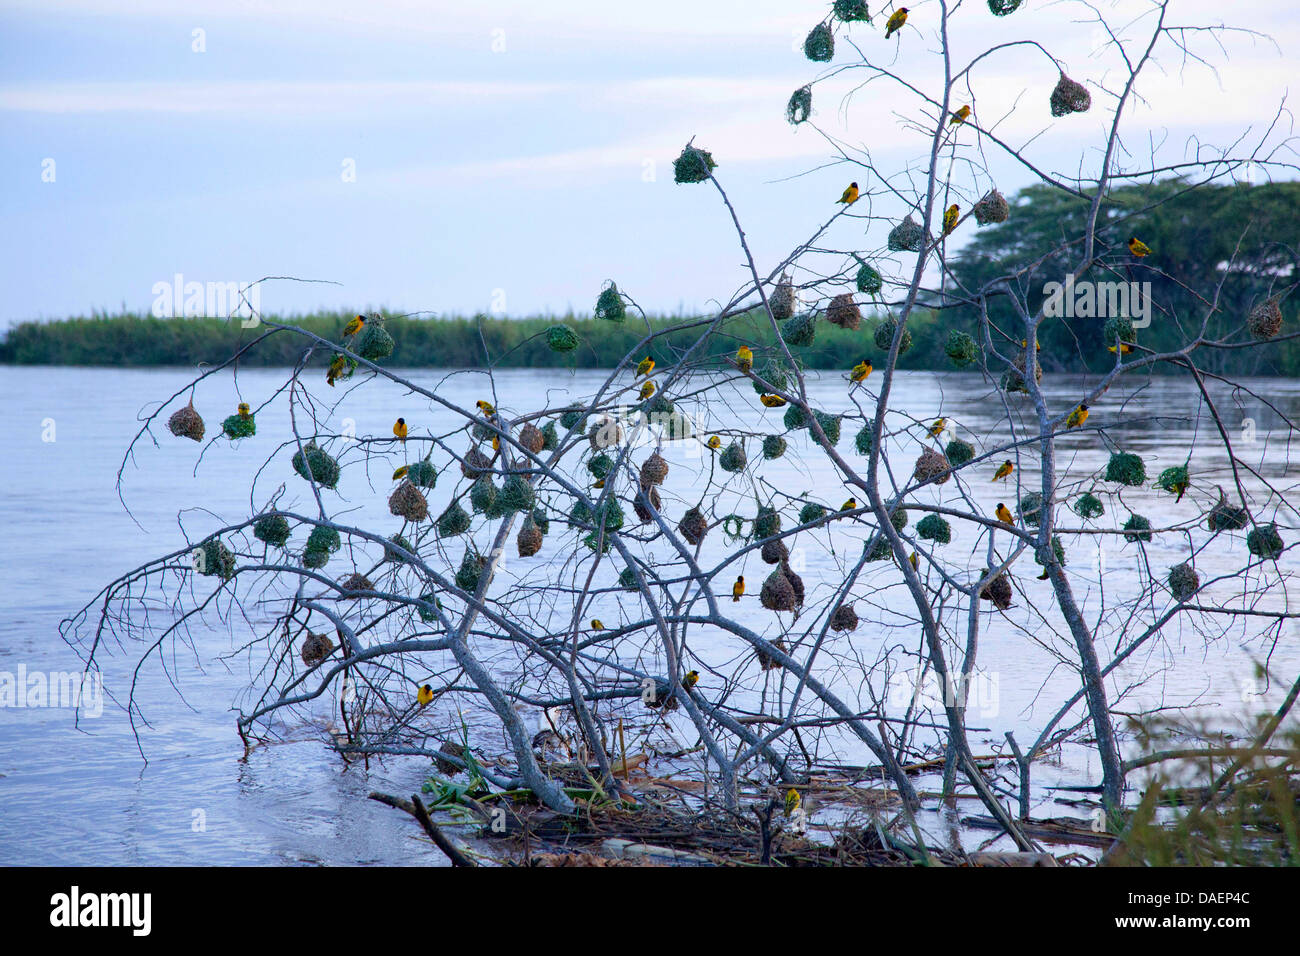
(78, 791)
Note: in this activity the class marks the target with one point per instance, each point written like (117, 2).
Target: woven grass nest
(959, 452)
(1183, 580)
(609, 304)
(934, 528)
(767, 522)
(844, 312)
(1088, 506)
(356, 581)
(391, 554)
(374, 342)
(239, 425)
(884, 337)
(561, 338)
(830, 426)
(907, 236)
(766, 661)
(1058, 552)
(482, 495)
(470, 571)
(1137, 528)
(600, 465)
(605, 433)
(694, 165)
(799, 108)
(315, 648)
(451, 749)
(531, 437)
(1031, 509)
(1225, 517)
(315, 464)
(869, 279)
(733, 458)
(1013, 379)
(1070, 97)
(272, 529)
(993, 207)
(408, 502)
(422, 474)
(932, 466)
(781, 302)
(845, 618)
(321, 543)
(819, 45)
(1118, 327)
(454, 521)
(1126, 468)
(961, 349)
(516, 494)
(654, 470)
(998, 591)
(1265, 542)
(782, 590)
(214, 559)
(693, 526)
(475, 463)
(811, 512)
(851, 10)
(774, 551)
(1002, 8)
(862, 440)
(1264, 321)
(774, 446)
(643, 513)
(529, 539)
(187, 423)
(801, 330)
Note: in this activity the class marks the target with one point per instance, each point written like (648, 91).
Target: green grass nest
(315, 464)
(934, 528)
(272, 529)
(1126, 469)
(694, 165)
(239, 426)
(321, 543)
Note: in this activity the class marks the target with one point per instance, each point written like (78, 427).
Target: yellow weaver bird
(401, 473)
(861, 371)
(911, 559)
(950, 216)
(850, 195)
(792, 801)
(959, 117)
(399, 429)
(937, 428)
(1139, 248)
(335, 370)
(895, 22)
(600, 483)
(1077, 417)
(645, 366)
(850, 505)
(1043, 576)
(1024, 344)
(485, 407)
(647, 389)
(772, 401)
(353, 327)
(1124, 348)
(715, 442)
(243, 410)
(691, 679)
(738, 589)
(1004, 470)
(425, 695)
(496, 442)
(1004, 514)
(596, 625)
(744, 358)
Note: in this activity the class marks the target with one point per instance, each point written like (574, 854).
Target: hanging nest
(315, 464)
(767, 523)
(898, 518)
(1088, 506)
(455, 520)
(1264, 322)
(1183, 580)
(884, 337)
(774, 373)
(561, 338)
(482, 495)
(819, 45)
(408, 502)
(529, 539)
(391, 554)
(516, 494)
(998, 591)
(774, 551)
(800, 106)
(239, 426)
(605, 433)
(610, 306)
(214, 559)
(959, 452)
(581, 513)
(934, 528)
(932, 466)
(422, 474)
(321, 543)
(1031, 509)
(1002, 8)
(795, 417)
(733, 458)
(483, 431)
(693, 165)
(766, 661)
(550, 437)
(1265, 542)
(778, 593)
(471, 570)
(608, 514)
(1058, 552)
(426, 615)
(1070, 97)
(830, 426)
(1013, 379)
(600, 465)
(1118, 327)
(315, 648)
(639, 505)
(273, 529)
(475, 464)
(374, 342)
(992, 208)
(693, 526)
(627, 579)
(531, 437)
(1224, 517)
(773, 447)
(961, 349)
(850, 10)
(187, 423)
(869, 280)
(845, 618)
(844, 312)
(862, 440)
(781, 302)
(801, 330)
(811, 512)
(356, 581)
(907, 236)
(880, 551)
(572, 419)
(1137, 528)
(1174, 480)
(654, 470)
(1126, 468)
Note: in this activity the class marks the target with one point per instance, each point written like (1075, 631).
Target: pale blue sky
(520, 169)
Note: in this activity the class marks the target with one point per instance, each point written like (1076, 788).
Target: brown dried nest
(531, 437)
(408, 502)
(187, 423)
(774, 551)
(781, 300)
(783, 590)
(654, 470)
(931, 465)
(529, 539)
(475, 463)
(845, 618)
(315, 648)
(998, 591)
(693, 526)
(605, 433)
(639, 506)
(453, 749)
(844, 312)
(992, 208)
(1070, 97)
(1264, 322)
(356, 581)
(766, 661)
(1013, 380)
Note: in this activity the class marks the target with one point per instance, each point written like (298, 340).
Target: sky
(510, 157)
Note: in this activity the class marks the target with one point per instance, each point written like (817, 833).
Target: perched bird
(243, 410)
(1024, 344)
(738, 589)
(911, 559)
(496, 442)
(691, 679)
(850, 195)
(937, 428)
(401, 473)
(895, 22)
(599, 483)
(861, 371)
(645, 366)
(335, 370)
(959, 117)
(425, 695)
(850, 505)
(715, 442)
(1043, 576)
(596, 625)
(647, 389)
(353, 327)
(399, 429)
(1181, 488)
(1077, 417)
(485, 407)
(772, 401)
(1004, 470)
(792, 801)
(1124, 348)
(744, 358)
(1004, 514)
(950, 218)
(1139, 248)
